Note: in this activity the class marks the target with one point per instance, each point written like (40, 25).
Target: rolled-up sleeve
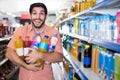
(11, 42)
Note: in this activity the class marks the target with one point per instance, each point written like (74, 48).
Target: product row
(102, 61)
(102, 27)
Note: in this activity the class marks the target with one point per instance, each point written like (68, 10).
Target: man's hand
(33, 67)
(32, 56)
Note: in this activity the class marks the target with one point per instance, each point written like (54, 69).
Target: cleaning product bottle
(19, 46)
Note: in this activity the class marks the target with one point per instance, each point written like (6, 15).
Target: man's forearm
(53, 57)
(13, 57)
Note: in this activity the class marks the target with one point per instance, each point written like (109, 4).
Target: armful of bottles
(45, 45)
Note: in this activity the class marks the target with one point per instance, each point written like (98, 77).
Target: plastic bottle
(117, 66)
(75, 48)
(79, 52)
(77, 7)
(87, 57)
(53, 42)
(118, 26)
(19, 46)
(27, 44)
(76, 26)
(70, 73)
(76, 77)
(43, 47)
(35, 41)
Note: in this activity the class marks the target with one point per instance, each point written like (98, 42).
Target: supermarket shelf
(12, 73)
(105, 3)
(78, 36)
(3, 61)
(74, 16)
(75, 66)
(5, 38)
(109, 45)
(106, 6)
(87, 71)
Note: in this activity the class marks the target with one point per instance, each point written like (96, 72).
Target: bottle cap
(87, 46)
(37, 33)
(55, 34)
(17, 37)
(46, 36)
(27, 37)
(51, 48)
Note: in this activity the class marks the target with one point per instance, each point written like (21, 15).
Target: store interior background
(85, 33)
(14, 8)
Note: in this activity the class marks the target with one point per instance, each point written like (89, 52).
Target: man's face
(38, 17)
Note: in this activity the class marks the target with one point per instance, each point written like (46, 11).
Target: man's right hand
(33, 67)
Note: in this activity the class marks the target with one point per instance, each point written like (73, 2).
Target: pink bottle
(118, 26)
(35, 41)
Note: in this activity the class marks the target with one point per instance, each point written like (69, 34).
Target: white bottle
(53, 42)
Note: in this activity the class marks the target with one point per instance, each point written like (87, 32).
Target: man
(38, 14)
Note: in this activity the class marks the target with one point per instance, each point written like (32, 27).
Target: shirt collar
(31, 28)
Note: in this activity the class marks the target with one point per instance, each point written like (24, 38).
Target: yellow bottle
(82, 5)
(43, 47)
(18, 43)
(76, 26)
(75, 48)
(91, 2)
(77, 7)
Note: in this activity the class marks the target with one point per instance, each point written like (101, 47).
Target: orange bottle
(19, 46)
(77, 7)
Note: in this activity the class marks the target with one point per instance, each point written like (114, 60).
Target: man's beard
(39, 25)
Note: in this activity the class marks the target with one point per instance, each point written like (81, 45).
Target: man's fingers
(31, 49)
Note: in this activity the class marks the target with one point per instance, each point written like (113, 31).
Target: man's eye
(33, 13)
(42, 13)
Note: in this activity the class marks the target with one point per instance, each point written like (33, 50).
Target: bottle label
(26, 50)
(86, 60)
(19, 51)
(43, 45)
(53, 40)
(51, 48)
(35, 46)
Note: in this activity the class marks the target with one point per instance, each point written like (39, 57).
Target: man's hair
(38, 5)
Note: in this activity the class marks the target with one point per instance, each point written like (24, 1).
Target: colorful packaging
(27, 44)
(118, 26)
(117, 66)
(19, 46)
